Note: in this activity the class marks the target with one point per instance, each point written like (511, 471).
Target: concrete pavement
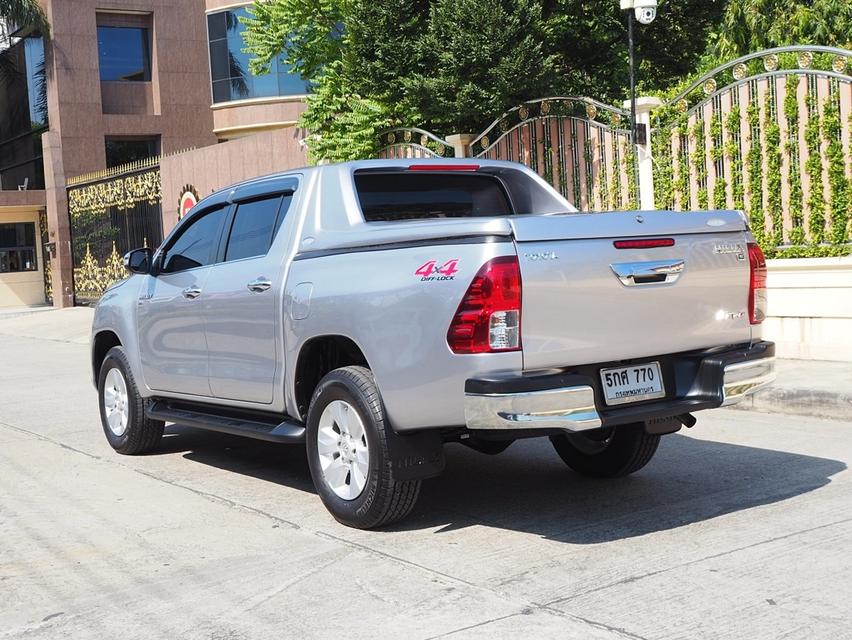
(45, 323)
(815, 388)
(739, 528)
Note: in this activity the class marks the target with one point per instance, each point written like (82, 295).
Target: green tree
(453, 66)
(589, 38)
(752, 25)
(342, 124)
(478, 59)
(382, 53)
(307, 34)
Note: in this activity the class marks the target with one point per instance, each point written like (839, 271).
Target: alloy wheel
(344, 454)
(115, 402)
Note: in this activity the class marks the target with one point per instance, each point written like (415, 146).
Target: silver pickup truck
(377, 310)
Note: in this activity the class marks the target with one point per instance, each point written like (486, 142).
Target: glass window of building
(229, 66)
(23, 113)
(123, 150)
(17, 247)
(124, 54)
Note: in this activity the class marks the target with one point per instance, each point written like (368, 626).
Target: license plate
(632, 384)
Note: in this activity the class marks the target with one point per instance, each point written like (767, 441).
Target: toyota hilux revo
(376, 310)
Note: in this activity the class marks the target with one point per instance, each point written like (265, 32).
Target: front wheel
(348, 452)
(127, 428)
(608, 453)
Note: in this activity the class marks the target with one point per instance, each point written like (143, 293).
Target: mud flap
(415, 456)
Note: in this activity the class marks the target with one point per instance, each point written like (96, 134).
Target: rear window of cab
(387, 196)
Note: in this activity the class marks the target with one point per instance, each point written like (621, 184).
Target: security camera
(645, 10)
(646, 15)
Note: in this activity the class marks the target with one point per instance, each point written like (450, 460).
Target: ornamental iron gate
(413, 143)
(768, 133)
(579, 145)
(111, 213)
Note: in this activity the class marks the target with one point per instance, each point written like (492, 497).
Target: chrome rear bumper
(566, 401)
(744, 378)
(570, 408)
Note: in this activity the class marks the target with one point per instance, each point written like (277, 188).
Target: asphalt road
(739, 528)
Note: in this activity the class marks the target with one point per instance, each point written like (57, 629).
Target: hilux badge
(730, 247)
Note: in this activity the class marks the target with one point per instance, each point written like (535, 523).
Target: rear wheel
(607, 453)
(348, 452)
(125, 424)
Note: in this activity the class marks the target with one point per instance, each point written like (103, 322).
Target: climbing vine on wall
(664, 160)
(838, 184)
(630, 171)
(593, 187)
(754, 159)
(772, 152)
(699, 162)
(682, 183)
(733, 152)
(716, 153)
(813, 167)
(614, 183)
(781, 157)
(794, 175)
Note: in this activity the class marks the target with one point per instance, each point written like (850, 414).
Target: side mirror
(138, 260)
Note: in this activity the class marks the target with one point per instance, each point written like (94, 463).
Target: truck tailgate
(586, 301)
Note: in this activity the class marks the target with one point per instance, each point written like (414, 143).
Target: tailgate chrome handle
(191, 293)
(259, 285)
(633, 274)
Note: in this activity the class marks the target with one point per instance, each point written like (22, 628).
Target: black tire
(142, 434)
(382, 500)
(607, 454)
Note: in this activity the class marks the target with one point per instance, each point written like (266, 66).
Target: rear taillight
(489, 316)
(757, 284)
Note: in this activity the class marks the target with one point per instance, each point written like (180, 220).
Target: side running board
(255, 425)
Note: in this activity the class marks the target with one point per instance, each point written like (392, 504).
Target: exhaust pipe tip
(687, 420)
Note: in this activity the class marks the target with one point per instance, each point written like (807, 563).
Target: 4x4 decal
(430, 272)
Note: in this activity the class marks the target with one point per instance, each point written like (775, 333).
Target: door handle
(633, 274)
(191, 293)
(259, 285)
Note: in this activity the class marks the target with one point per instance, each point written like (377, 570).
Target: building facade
(118, 81)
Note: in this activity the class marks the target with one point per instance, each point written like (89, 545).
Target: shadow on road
(528, 488)
(277, 463)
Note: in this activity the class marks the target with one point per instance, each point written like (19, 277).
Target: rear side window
(415, 196)
(254, 227)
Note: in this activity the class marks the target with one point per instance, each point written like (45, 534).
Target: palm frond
(25, 13)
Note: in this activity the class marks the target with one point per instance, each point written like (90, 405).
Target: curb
(800, 402)
(8, 315)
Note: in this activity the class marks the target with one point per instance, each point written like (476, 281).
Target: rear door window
(403, 195)
(255, 224)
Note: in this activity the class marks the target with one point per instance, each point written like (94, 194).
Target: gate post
(644, 107)
(461, 143)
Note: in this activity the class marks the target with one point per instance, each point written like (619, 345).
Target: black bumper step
(214, 418)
